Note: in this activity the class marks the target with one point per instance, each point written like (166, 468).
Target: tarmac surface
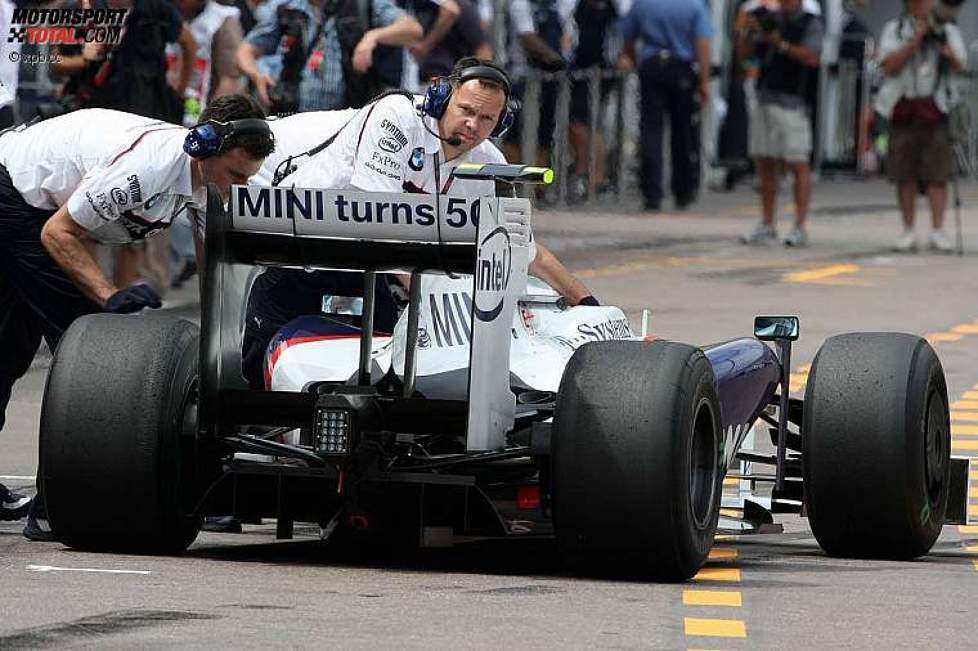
(702, 286)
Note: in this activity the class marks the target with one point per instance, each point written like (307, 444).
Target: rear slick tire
(637, 460)
(114, 459)
(876, 446)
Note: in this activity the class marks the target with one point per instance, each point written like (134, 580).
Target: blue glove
(133, 299)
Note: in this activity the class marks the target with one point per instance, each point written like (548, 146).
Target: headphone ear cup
(436, 97)
(506, 120)
(202, 141)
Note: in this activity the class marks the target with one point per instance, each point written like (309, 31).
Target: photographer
(919, 53)
(786, 45)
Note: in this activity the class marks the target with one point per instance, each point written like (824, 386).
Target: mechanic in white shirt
(389, 146)
(101, 176)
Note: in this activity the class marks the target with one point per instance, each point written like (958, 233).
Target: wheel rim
(703, 464)
(935, 448)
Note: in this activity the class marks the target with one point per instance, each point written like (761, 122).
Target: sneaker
(797, 238)
(13, 506)
(37, 527)
(907, 242)
(761, 234)
(222, 524)
(939, 241)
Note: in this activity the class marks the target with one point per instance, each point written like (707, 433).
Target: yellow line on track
(937, 337)
(968, 529)
(972, 549)
(973, 509)
(964, 404)
(712, 598)
(730, 481)
(822, 275)
(729, 574)
(973, 492)
(970, 395)
(722, 553)
(975, 563)
(967, 430)
(964, 416)
(715, 627)
(964, 445)
(966, 329)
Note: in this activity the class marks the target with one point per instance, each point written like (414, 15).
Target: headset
(211, 137)
(439, 92)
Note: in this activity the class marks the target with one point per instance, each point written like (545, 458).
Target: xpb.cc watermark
(39, 26)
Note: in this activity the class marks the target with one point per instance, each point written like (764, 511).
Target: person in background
(537, 35)
(674, 71)
(786, 44)
(326, 52)
(919, 55)
(596, 21)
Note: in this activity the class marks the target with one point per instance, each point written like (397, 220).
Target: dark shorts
(580, 108)
(919, 153)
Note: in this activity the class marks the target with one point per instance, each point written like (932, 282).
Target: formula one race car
(492, 410)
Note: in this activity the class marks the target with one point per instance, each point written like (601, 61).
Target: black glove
(133, 299)
(590, 301)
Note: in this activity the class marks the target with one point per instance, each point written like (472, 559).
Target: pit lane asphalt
(247, 590)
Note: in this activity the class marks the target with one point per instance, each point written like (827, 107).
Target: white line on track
(51, 568)
(18, 477)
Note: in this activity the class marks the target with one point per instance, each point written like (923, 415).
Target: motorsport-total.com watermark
(47, 26)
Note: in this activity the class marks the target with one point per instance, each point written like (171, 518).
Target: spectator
(595, 21)
(787, 45)
(919, 55)
(673, 65)
(216, 29)
(455, 33)
(537, 31)
(326, 50)
(9, 71)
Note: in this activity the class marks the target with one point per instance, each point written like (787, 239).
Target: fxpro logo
(494, 267)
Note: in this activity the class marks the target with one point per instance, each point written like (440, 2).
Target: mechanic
(101, 176)
(460, 114)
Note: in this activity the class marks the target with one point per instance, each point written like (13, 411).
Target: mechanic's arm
(188, 53)
(706, 67)
(537, 48)
(227, 40)
(803, 55)
(549, 269)
(448, 12)
(71, 247)
(403, 31)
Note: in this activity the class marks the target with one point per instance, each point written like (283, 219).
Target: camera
(768, 20)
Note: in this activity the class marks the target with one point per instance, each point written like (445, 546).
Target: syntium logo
(494, 267)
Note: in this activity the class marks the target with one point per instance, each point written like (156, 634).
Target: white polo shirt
(296, 134)
(122, 176)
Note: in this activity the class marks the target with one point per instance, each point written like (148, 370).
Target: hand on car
(133, 299)
(363, 54)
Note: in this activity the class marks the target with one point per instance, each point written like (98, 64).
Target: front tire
(114, 461)
(637, 460)
(876, 446)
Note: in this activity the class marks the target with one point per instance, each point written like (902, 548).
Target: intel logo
(494, 268)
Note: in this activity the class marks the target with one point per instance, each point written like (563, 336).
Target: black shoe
(187, 271)
(13, 506)
(37, 527)
(682, 203)
(222, 524)
(652, 206)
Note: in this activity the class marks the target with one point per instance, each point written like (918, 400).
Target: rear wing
(370, 232)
